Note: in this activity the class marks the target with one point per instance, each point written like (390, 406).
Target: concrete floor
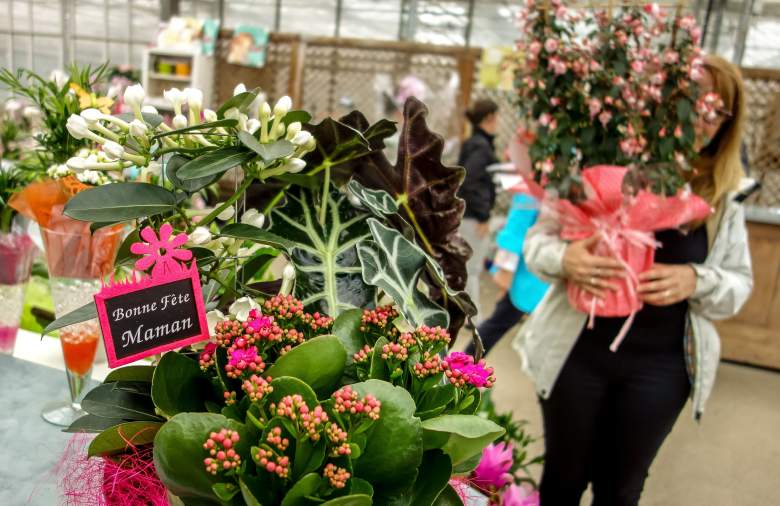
(731, 457)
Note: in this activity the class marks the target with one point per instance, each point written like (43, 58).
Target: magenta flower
(458, 360)
(258, 322)
(492, 472)
(519, 496)
(162, 252)
(478, 375)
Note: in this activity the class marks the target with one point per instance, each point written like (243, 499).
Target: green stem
(325, 193)
(275, 200)
(248, 180)
(6, 215)
(417, 227)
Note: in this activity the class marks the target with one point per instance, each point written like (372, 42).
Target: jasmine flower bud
(135, 95)
(302, 138)
(252, 125)
(91, 115)
(138, 128)
(294, 165)
(209, 115)
(149, 109)
(179, 121)
(293, 129)
(76, 164)
(239, 89)
(265, 110)
(227, 213)
(253, 217)
(201, 235)
(113, 150)
(283, 106)
(77, 127)
(194, 98)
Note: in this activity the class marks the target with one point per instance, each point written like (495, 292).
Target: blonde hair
(719, 166)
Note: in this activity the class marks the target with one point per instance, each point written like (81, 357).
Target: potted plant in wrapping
(312, 393)
(614, 99)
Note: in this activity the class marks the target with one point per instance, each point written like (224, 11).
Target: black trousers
(605, 420)
(504, 317)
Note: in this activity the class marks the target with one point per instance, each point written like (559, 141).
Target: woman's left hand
(665, 284)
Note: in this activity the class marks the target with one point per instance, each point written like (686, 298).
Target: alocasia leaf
(328, 272)
(395, 264)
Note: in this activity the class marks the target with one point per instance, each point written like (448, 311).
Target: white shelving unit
(201, 75)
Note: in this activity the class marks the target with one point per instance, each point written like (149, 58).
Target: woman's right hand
(591, 272)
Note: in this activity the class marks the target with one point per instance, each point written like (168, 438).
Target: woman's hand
(503, 278)
(664, 284)
(591, 272)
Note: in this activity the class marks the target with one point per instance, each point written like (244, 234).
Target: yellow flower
(89, 100)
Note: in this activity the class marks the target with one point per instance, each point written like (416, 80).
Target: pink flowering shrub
(617, 90)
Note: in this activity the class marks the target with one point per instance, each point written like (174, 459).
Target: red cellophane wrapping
(625, 225)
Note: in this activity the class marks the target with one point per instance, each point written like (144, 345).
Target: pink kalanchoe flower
(605, 118)
(519, 496)
(492, 472)
(459, 360)
(243, 359)
(478, 375)
(594, 106)
(551, 45)
(163, 253)
(206, 358)
(535, 47)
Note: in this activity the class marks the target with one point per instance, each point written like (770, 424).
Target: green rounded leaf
(119, 438)
(347, 328)
(172, 167)
(463, 436)
(120, 202)
(269, 152)
(179, 454)
(287, 385)
(306, 486)
(131, 373)
(350, 500)
(92, 423)
(178, 385)
(110, 402)
(318, 362)
(394, 448)
(251, 233)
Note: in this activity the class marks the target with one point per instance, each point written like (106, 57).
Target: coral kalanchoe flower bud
(206, 358)
(276, 464)
(363, 356)
(337, 476)
(222, 453)
(257, 387)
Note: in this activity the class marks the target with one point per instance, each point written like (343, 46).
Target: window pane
(146, 20)
(47, 52)
(90, 18)
(258, 12)
(117, 53)
(22, 51)
(311, 18)
(762, 48)
(47, 17)
(87, 51)
(118, 19)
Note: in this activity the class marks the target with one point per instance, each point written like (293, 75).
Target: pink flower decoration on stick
(163, 253)
(492, 472)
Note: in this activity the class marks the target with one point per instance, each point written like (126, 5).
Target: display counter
(753, 336)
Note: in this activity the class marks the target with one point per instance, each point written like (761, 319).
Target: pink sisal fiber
(128, 479)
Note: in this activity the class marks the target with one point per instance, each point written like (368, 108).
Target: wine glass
(78, 260)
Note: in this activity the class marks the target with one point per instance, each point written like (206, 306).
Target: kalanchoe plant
(616, 90)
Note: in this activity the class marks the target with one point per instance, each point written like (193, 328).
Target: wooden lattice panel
(762, 131)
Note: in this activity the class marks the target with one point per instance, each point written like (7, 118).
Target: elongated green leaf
(308, 182)
(395, 265)
(247, 495)
(86, 312)
(123, 254)
(92, 423)
(378, 202)
(120, 202)
(268, 152)
(394, 450)
(378, 368)
(119, 438)
(258, 264)
(107, 401)
(328, 274)
(434, 476)
(448, 497)
(95, 226)
(242, 101)
(251, 233)
(466, 435)
(172, 167)
(131, 373)
(318, 362)
(214, 162)
(200, 128)
(179, 453)
(178, 385)
(152, 119)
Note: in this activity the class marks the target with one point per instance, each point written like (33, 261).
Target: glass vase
(17, 252)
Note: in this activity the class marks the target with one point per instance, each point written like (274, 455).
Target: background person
(478, 190)
(606, 414)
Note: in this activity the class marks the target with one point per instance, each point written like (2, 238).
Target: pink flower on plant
(671, 57)
(492, 472)
(594, 106)
(535, 47)
(162, 252)
(687, 22)
(258, 322)
(551, 45)
(206, 358)
(479, 376)
(555, 101)
(557, 65)
(678, 133)
(638, 66)
(545, 119)
(605, 118)
(515, 495)
(459, 360)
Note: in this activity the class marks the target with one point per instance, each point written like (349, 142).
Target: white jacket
(723, 284)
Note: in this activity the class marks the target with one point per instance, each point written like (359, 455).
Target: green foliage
(179, 386)
(318, 362)
(460, 436)
(120, 202)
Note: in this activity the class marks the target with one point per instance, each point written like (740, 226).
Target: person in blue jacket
(523, 289)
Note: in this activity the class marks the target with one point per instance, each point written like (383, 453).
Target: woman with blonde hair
(606, 414)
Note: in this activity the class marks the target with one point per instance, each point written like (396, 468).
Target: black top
(478, 189)
(657, 328)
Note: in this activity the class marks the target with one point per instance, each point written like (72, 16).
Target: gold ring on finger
(592, 280)
(668, 294)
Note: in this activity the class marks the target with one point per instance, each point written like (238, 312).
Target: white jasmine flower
(179, 121)
(138, 128)
(154, 168)
(31, 113)
(209, 115)
(176, 98)
(252, 125)
(265, 110)
(239, 89)
(227, 213)
(294, 165)
(194, 98)
(253, 217)
(113, 150)
(91, 115)
(77, 127)
(92, 177)
(241, 308)
(309, 146)
(289, 272)
(212, 318)
(135, 96)
(12, 105)
(58, 171)
(149, 109)
(76, 164)
(283, 106)
(200, 236)
(59, 77)
(293, 129)
(301, 138)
